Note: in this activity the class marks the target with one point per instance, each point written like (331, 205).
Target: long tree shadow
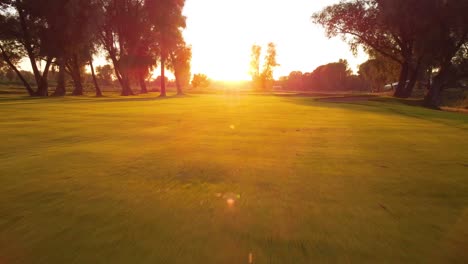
(87, 99)
(141, 99)
(322, 95)
(387, 106)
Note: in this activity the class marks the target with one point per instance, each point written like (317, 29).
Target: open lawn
(231, 179)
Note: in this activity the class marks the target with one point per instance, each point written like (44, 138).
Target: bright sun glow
(223, 31)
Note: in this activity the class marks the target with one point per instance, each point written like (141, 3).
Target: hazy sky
(223, 31)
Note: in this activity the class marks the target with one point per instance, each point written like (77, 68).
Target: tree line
(136, 36)
(373, 75)
(426, 39)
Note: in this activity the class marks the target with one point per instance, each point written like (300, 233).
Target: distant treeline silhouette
(372, 76)
(334, 76)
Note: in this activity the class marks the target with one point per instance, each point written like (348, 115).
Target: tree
(86, 20)
(179, 63)
(389, 27)
(124, 29)
(420, 35)
(445, 46)
(332, 76)
(269, 65)
(200, 81)
(379, 71)
(93, 74)
(261, 79)
(167, 19)
(10, 75)
(44, 30)
(295, 81)
(23, 34)
(158, 82)
(11, 56)
(255, 65)
(58, 18)
(105, 73)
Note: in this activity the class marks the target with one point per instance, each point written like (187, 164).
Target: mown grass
(144, 180)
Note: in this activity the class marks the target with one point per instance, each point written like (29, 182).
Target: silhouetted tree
(388, 27)
(332, 76)
(123, 27)
(295, 81)
(23, 34)
(255, 55)
(379, 71)
(418, 34)
(167, 19)
(269, 65)
(179, 63)
(105, 73)
(444, 45)
(200, 81)
(93, 74)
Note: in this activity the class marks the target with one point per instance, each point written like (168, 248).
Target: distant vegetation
(200, 81)
(332, 77)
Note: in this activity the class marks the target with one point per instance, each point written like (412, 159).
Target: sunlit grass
(229, 178)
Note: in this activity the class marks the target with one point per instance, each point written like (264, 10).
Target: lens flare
(230, 201)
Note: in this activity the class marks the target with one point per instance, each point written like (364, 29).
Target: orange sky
(223, 31)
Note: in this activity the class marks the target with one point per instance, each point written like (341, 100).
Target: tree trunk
(119, 77)
(29, 50)
(433, 97)
(96, 85)
(143, 87)
(43, 89)
(179, 87)
(118, 73)
(413, 77)
(264, 83)
(401, 87)
(60, 89)
(126, 89)
(78, 85)
(163, 77)
(18, 73)
(76, 76)
(43, 86)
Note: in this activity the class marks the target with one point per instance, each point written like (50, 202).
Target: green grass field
(225, 178)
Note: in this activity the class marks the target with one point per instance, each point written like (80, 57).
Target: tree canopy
(134, 34)
(419, 35)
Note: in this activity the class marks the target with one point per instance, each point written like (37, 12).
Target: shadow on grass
(140, 99)
(323, 95)
(87, 99)
(408, 102)
(411, 108)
